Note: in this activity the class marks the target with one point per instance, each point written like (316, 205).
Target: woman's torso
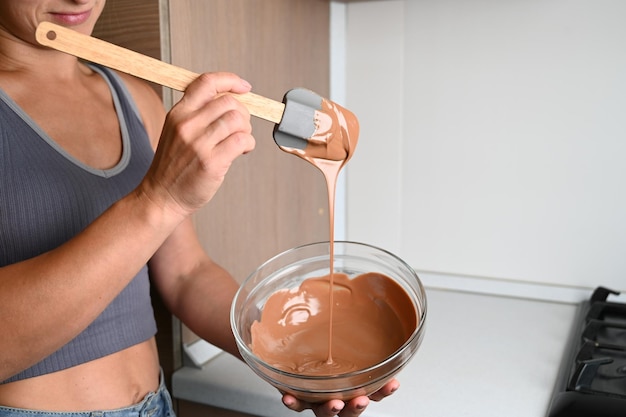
(123, 377)
(115, 381)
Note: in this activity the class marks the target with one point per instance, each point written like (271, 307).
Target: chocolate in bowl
(289, 270)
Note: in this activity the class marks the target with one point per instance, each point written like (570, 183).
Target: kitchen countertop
(482, 355)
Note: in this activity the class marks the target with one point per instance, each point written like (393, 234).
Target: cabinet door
(270, 201)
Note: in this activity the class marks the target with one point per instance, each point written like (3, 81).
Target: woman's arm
(194, 288)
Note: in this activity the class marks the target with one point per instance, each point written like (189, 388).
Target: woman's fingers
(331, 408)
(387, 389)
(328, 409)
(210, 85)
(203, 134)
(352, 408)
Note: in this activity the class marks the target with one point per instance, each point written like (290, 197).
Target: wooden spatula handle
(142, 66)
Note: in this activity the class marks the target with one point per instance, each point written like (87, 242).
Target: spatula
(296, 117)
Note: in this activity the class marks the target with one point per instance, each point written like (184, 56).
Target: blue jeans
(155, 404)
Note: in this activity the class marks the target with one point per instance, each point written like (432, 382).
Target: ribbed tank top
(47, 197)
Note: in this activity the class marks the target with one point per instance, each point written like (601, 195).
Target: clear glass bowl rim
(394, 356)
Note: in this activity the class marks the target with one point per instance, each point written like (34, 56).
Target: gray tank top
(47, 197)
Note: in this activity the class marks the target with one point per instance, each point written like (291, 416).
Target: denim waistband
(154, 404)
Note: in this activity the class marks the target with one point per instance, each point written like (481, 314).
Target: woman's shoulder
(148, 103)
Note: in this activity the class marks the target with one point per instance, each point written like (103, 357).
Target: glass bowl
(287, 271)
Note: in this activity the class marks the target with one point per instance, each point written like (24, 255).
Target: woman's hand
(203, 134)
(352, 408)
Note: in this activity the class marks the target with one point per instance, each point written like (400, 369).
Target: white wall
(493, 139)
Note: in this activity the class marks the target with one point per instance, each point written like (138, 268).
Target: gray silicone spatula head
(298, 122)
(314, 127)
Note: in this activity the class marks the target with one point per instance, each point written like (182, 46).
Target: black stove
(592, 376)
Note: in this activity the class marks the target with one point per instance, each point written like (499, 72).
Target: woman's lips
(71, 19)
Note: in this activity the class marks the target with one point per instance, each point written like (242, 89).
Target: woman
(85, 222)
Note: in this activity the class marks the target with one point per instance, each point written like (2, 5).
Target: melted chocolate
(372, 318)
